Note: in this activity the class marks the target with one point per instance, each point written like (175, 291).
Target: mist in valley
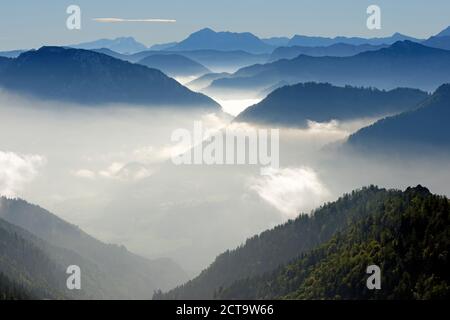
(109, 170)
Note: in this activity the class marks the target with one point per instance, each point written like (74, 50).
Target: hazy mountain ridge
(206, 80)
(335, 50)
(295, 105)
(425, 127)
(174, 65)
(313, 41)
(120, 273)
(38, 269)
(403, 64)
(124, 45)
(87, 77)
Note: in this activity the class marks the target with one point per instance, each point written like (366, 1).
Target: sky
(30, 24)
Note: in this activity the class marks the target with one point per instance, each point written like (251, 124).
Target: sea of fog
(109, 170)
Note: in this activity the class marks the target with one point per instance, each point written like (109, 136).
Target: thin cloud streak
(115, 20)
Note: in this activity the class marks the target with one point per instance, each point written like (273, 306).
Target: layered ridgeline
(406, 234)
(323, 102)
(273, 248)
(425, 128)
(325, 255)
(82, 76)
(174, 65)
(225, 41)
(334, 50)
(403, 64)
(211, 59)
(205, 80)
(108, 271)
(314, 41)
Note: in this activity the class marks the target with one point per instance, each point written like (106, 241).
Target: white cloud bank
(291, 190)
(16, 171)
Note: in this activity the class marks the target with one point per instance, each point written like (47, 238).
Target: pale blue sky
(31, 23)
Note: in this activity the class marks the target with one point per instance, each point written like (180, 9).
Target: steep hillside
(118, 272)
(273, 248)
(419, 130)
(407, 235)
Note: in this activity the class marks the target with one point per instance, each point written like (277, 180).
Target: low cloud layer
(16, 171)
(291, 190)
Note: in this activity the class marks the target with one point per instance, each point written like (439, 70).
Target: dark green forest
(27, 270)
(325, 255)
(407, 235)
(10, 290)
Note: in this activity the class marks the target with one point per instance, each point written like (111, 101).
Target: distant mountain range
(227, 41)
(208, 39)
(325, 255)
(87, 77)
(295, 105)
(41, 247)
(420, 130)
(174, 65)
(124, 45)
(311, 41)
(232, 41)
(334, 50)
(403, 64)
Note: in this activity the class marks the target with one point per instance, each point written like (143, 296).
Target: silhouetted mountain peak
(399, 35)
(204, 31)
(84, 76)
(222, 40)
(208, 32)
